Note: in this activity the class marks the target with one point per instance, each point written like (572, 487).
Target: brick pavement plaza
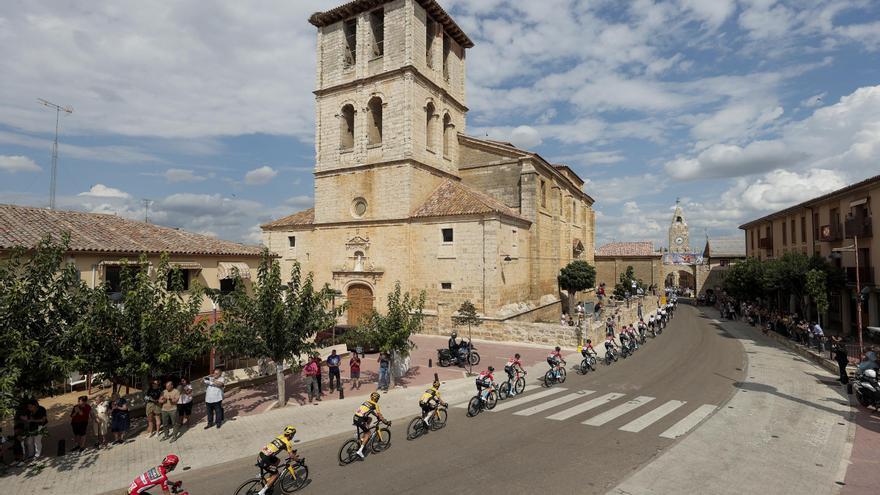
(251, 423)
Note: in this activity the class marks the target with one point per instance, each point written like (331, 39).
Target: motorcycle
(867, 389)
(466, 354)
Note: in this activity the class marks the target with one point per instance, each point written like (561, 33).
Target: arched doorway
(686, 280)
(360, 303)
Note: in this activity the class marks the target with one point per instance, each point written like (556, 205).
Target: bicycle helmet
(491, 369)
(871, 374)
(375, 397)
(558, 349)
(290, 430)
(454, 335)
(170, 461)
(436, 384)
(516, 355)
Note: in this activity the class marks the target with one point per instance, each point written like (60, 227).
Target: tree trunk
(279, 376)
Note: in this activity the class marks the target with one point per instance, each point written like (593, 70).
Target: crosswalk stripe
(585, 406)
(691, 420)
(652, 417)
(611, 414)
(507, 404)
(553, 403)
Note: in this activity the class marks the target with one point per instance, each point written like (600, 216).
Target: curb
(827, 364)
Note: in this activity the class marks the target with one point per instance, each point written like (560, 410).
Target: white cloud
(182, 175)
(813, 101)
(102, 191)
(780, 189)
(525, 137)
(301, 201)
(18, 163)
(261, 175)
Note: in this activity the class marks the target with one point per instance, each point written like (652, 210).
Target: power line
(54, 177)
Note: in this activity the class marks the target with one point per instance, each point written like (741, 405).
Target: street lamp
(855, 249)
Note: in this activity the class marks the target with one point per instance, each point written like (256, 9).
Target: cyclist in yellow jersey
(429, 401)
(268, 459)
(362, 419)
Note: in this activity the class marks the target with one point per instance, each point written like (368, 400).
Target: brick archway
(360, 303)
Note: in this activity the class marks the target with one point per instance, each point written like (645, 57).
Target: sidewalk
(789, 429)
(98, 471)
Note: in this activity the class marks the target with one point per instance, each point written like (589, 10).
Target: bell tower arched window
(447, 134)
(346, 128)
(429, 126)
(375, 121)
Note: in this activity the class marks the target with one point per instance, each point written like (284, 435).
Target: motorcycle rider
(453, 344)
(156, 477)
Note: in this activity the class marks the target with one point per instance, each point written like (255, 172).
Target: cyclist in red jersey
(156, 477)
(486, 381)
(514, 365)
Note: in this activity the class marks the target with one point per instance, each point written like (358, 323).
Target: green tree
(745, 280)
(625, 283)
(152, 328)
(41, 301)
(278, 321)
(391, 332)
(467, 316)
(575, 277)
(817, 288)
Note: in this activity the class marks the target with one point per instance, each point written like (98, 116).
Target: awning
(132, 263)
(858, 202)
(227, 269)
(186, 265)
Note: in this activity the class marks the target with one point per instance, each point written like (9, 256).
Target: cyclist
(651, 321)
(430, 400)
(643, 329)
(156, 477)
(555, 359)
(268, 458)
(514, 366)
(588, 348)
(663, 318)
(610, 344)
(485, 381)
(362, 419)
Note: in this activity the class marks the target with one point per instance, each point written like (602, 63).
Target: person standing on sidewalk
(36, 420)
(153, 411)
(214, 398)
(384, 367)
(120, 420)
(355, 364)
(319, 378)
(169, 410)
(820, 337)
(101, 420)
(310, 371)
(79, 422)
(185, 403)
(840, 355)
(333, 371)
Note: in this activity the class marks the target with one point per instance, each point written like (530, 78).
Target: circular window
(359, 207)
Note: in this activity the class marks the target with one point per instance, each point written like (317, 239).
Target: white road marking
(652, 417)
(618, 411)
(691, 420)
(510, 403)
(585, 406)
(553, 403)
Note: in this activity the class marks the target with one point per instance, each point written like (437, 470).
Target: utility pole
(54, 177)
(147, 202)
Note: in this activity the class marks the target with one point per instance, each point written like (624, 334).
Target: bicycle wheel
(416, 428)
(584, 367)
(520, 385)
(548, 378)
(592, 362)
(289, 484)
(474, 406)
(491, 400)
(562, 373)
(250, 487)
(439, 420)
(381, 440)
(348, 452)
(504, 390)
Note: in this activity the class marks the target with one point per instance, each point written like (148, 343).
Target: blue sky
(739, 107)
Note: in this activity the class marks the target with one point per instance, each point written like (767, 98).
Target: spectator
(840, 355)
(319, 378)
(79, 422)
(119, 418)
(310, 371)
(333, 371)
(153, 410)
(384, 367)
(169, 399)
(185, 403)
(214, 398)
(36, 420)
(101, 420)
(820, 337)
(355, 364)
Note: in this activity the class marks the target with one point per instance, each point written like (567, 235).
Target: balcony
(866, 275)
(858, 227)
(765, 243)
(830, 233)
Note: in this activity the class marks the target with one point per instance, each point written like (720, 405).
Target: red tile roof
(624, 249)
(453, 198)
(102, 233)
(305, 217)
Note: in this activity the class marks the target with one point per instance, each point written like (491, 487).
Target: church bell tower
(679, 241)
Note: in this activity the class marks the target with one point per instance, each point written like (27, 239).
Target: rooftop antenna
(54, 178)
(147, 202)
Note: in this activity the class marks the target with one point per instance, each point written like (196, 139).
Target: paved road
(583, 439)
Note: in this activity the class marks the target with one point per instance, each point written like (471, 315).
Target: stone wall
(648, 269)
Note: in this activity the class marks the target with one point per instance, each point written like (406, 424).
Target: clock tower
(678, 232)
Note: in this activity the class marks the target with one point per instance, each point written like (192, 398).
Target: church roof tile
(304, 217)
(624, 249)
(453, 198)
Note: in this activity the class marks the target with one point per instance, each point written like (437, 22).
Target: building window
(346, 128)
(291, 241)
(446, 285)
(753, 239)
(793, 232)
(113, 278)
(375, 131)
(177, 280)
(429, 126)
(430, 34)
(349, 29)
(803, 229)
(543, 194)
(377, 29)
(227, 285)
(447, 134)
(816, 226)
(359, 207)
(784, 234)
(447, 235)
(447, 48)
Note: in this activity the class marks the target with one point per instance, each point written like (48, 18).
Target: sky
(204, 112)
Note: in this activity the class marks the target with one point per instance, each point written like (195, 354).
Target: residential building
(718, 255)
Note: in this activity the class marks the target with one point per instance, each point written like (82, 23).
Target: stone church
(403, 194)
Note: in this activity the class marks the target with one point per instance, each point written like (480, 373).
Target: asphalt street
(584, 436)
